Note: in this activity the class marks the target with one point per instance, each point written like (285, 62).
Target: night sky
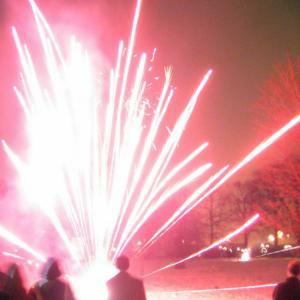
(241, 40)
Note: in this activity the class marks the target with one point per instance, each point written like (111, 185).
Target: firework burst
(92, 165)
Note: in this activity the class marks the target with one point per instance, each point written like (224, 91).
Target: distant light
(287, 246)
(263, 250)
(280, 234)
(245, 255)
(271, 238)
(139, 243)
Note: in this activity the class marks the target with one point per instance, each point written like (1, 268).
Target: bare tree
(242, 204)
(280, 96)
(276, 198)
(214, 214)
(277, 186)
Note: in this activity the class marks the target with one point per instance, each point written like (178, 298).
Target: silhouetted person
(3, 281)
(289, 289)
(53, 288)
(123, 286)
(14, 285)
(4, 296)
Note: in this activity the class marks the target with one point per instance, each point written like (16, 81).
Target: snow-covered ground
(216, 274)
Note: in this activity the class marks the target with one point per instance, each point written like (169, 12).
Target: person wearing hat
(14, 285)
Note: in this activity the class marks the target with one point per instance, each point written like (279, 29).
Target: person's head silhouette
(14, 275)
(293, 268)
(122, 263)
(51, 269)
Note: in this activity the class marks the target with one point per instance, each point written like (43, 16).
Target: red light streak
(9, 236)
(229, 289)
(280, 251)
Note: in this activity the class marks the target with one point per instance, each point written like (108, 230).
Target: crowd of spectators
(54, 286)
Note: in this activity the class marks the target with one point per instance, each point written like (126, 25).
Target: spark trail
(205, 190)
(228, 289)
(9, 236)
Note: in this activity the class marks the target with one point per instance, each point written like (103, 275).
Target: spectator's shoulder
(137, 280)
(279, 289)
(280, 285)
(4, 295)
(112, 280)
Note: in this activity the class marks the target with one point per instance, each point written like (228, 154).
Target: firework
(88, 149)
(95, 166)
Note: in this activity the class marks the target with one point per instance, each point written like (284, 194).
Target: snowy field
(216, 274)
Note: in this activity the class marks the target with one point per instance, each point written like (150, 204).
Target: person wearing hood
(54, 287)
(14, 285)
(3, 282)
